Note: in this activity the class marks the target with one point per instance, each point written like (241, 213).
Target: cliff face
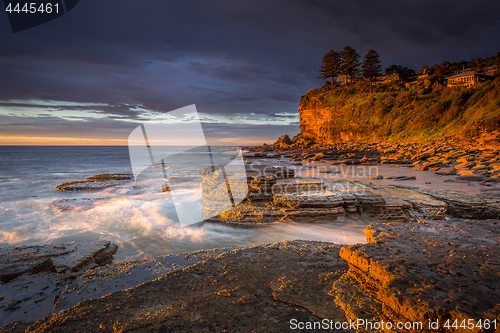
(398, 113)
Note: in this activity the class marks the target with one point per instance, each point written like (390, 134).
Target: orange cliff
(462, 116)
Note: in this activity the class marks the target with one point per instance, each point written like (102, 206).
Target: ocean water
(134, 215)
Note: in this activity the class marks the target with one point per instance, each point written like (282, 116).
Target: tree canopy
(398, 69)
(330, 65)
(350, 63)
(371, 67)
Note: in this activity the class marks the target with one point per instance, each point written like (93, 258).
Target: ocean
(136, 216)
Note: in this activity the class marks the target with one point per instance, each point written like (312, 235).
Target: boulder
(471, 178)
(283, 141)
(447, 171)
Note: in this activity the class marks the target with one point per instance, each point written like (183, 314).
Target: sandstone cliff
(399, 113)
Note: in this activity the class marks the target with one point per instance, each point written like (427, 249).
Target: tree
(398, 69)
(371, 67)
(330, 66)
(424, 69)
(438, 70)
(445, 67)
(350, 63)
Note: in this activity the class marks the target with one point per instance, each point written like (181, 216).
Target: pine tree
(371, 67)
(330, 66)
(350, 63)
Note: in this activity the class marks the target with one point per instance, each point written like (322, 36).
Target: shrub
(462, 97)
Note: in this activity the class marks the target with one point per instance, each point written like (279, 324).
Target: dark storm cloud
(227, 57)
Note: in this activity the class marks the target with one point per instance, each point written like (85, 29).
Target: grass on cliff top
(399, 113)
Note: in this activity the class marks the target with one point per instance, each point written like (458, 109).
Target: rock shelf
(407, 272)
(33, 276)
(272, 198)
(96, 182)
(431, 270)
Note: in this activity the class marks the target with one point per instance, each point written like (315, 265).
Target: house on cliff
(466, 79)
(340, 79)
(491, 70)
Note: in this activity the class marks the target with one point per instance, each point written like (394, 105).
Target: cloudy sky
(94, 74)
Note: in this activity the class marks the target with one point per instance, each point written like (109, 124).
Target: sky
(94, 74)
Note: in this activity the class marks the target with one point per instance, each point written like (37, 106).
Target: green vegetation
(425, 111)
(398, 69)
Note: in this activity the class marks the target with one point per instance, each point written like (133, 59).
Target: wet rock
(420, 167)
(425, 271)
(299, 187)
(255, 155)
(260, 187)
(461, 204)
(123, 275)
(34, 276)
(319, 200)
(406, 178)
(422, 206)
(447, 171)
(420, 157)
(317, 156)
(471, 178)
(225, 293)
(330, 171)
(371, 204)
(250, 213)
(464, 165)
(18, 260)
(395, 210)
(351, 161)
(351, 204)
(82, 204)
(96, 182)
(402, 178)
(283, 172)
(465, 172)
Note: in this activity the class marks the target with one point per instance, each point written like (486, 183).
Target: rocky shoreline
(417, 272)
(468, 162)
(280, 189)
(432, 254)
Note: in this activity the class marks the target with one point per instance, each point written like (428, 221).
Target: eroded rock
(434, 270)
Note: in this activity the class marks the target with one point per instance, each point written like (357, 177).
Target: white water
(137, 217)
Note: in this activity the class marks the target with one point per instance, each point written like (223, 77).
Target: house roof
(465, 74)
